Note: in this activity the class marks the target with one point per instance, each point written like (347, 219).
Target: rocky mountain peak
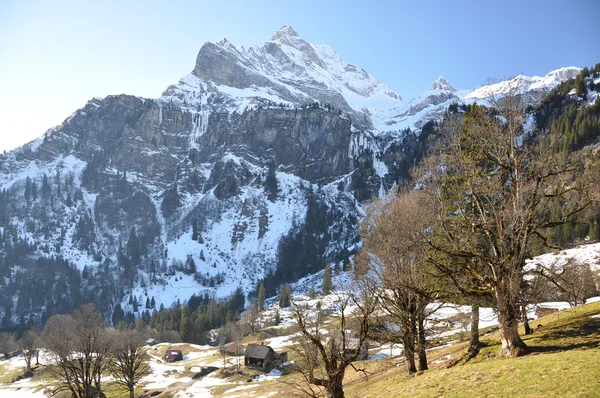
(289, 41)
(286, 32)
(442, 84)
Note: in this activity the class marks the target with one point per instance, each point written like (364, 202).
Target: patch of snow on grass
(202, 388)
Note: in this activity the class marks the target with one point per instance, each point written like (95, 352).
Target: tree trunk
(474, 341)
(508, 319)
(525, 320)
(131, 393)
(335, 388)
(421, 344)
(408, 340)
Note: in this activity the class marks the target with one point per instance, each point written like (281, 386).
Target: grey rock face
(311, 143)
(442, 84)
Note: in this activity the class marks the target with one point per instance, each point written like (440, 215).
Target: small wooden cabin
(173, 355)
(263, 357)
(234, 349)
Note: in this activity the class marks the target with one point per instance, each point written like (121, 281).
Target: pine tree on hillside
(194, 230)
(261, 297)
(285, 296)
(185, 326)
(327, 282)
(28, 189)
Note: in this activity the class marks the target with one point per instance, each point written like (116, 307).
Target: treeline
(192, 320)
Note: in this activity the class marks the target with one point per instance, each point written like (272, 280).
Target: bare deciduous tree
(130, 360)
(574, 279)
(251, 319)
(7, 344)
(80, 347)
(327, 353)
(392, 262)
(29, 345)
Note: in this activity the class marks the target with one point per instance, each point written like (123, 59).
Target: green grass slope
(563, 361)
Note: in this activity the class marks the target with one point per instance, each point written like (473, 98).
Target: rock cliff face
(253, 167)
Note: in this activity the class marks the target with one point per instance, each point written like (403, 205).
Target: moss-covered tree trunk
(508, 319)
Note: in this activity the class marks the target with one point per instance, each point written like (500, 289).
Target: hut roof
(258, 351)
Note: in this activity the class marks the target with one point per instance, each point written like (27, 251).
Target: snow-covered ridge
(525, 83)
(289, 70)
(285, 69)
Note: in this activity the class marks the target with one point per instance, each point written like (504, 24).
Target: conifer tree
(28, 189)
(327, 282)
(285, 296)
(261, 297)
(194, 230)
(185, 326)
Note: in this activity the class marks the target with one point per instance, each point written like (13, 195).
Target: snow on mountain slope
(525, 83)
(285, 69)
(430, 105)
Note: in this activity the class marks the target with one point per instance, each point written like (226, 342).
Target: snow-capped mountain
(429, 106)
(253, 167)
(526, 84)
(285, 69)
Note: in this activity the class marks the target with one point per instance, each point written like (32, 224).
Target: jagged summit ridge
(288, 69)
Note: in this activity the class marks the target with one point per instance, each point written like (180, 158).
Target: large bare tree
(29, 345)
(392, 264)
(80, 346)
(488, 184)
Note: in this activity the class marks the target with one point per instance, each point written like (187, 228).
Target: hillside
(563, 361)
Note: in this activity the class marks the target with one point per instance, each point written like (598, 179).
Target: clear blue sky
(56, 55)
